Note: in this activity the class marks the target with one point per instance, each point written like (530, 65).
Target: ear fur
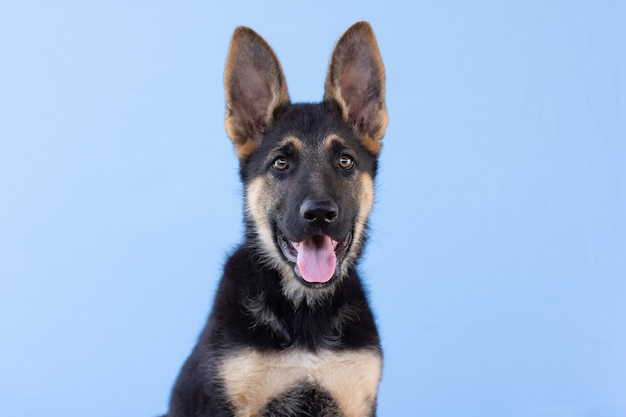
(255, 86)
(356, 81)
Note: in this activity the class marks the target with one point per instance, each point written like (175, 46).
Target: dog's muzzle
(317, 259)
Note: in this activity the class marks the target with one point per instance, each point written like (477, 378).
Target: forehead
(312, 125)
(293, 144)
(310, 131)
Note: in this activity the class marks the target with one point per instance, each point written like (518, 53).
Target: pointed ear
(255, 86)
(356, 81)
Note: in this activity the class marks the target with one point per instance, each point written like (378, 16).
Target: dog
(291, 332)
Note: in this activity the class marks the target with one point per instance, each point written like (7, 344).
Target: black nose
(319, 213)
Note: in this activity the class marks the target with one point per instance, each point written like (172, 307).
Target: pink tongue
(316, 259)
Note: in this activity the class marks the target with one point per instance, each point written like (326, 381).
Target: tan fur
(316, 372)
(349, 85)
(327, 143)
(366, 192)
(372, 144)
(253, 63)
(253, 378)
(365, 184)
(290, 140)
(355, 70)
(259, 203)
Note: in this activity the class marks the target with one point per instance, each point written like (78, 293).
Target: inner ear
(356, 81)
(358, 91)
(255, 86)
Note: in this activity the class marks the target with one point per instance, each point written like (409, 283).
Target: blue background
(497, 263)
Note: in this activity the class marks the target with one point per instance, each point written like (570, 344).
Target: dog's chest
(253, 379)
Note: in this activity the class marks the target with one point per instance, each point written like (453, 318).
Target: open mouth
(317, 258)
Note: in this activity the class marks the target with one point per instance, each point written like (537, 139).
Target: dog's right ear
(255, 86)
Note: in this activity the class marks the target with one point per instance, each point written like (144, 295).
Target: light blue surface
(497, 263)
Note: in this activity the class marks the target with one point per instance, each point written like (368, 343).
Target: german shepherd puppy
(291, 332)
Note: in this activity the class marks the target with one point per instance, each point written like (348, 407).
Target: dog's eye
(280, 163)
(345, 162)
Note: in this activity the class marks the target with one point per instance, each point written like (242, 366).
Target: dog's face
(309, 190)
(308, 169)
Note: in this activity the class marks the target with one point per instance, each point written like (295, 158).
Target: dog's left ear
(356, 81)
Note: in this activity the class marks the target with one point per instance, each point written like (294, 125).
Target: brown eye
(280, 163)
(345, 162)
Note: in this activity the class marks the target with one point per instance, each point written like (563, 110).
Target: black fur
(253, 312)
(344, 322)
